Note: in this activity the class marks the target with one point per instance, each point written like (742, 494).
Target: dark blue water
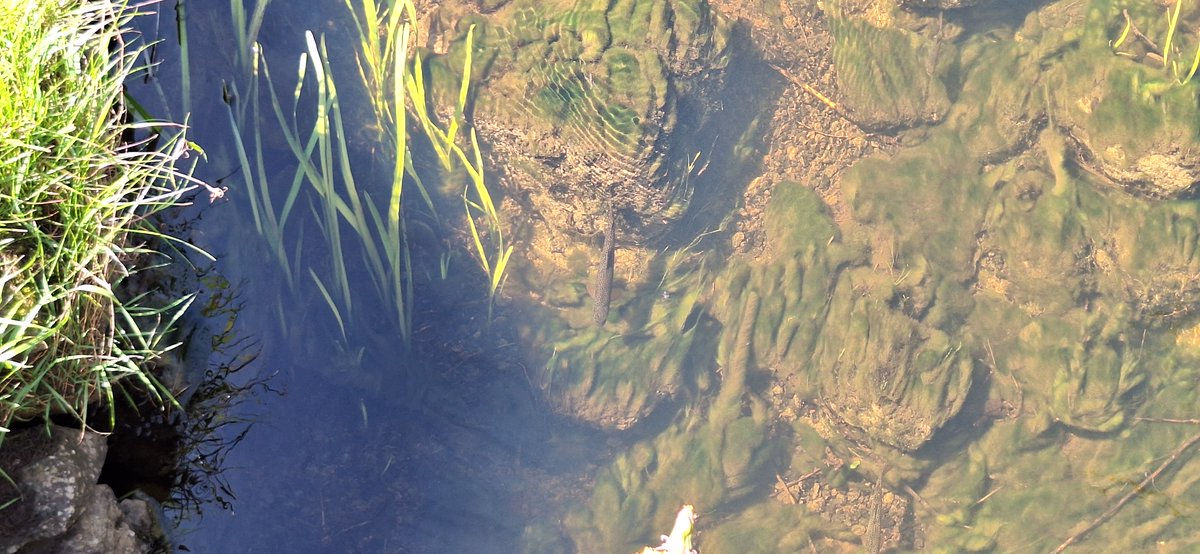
(364, 444)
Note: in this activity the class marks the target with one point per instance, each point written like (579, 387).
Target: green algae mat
(992, 353)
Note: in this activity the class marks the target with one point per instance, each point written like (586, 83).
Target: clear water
(451, 445)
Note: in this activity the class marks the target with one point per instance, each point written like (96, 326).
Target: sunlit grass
(74, 202)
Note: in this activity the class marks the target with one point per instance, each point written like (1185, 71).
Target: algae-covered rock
(999, 107)
(1129, 118)
(887, 376)
(925, 207)
(614, 375)
(1152, 247)
(794, 285)
(889, 77)
(1037, 251)
(1053, 242)
(582, 105)
(713, 454)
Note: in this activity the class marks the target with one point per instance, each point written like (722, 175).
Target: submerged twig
(1175, 454)
(787, 490)
(1168, 420)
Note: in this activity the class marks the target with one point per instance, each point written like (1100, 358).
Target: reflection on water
(908, 279)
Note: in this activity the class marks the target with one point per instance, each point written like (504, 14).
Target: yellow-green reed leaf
(464, 86)
(416, 177)
(481, 189)
(337, 314)
(483, 260)
(416, 85)
(410, 9)
(400, 115)
(1172, 23)
(371, 26)
(462, 156)
(1195, 65)
(390, 252)
(466, 76)
(356, 215)
(406, 309)
(238, 14)
(1124, 33)
(501, 265)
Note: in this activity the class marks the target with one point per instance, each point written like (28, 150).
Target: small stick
(988, 495)
(787, 490)
(817, 94)
(1168, 420)
(914, 494)
(1175, 454)
(806, 476)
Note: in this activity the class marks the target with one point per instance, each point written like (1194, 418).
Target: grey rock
(54, 473)
(56, 505)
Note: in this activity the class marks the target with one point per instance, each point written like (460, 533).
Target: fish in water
(602, 271)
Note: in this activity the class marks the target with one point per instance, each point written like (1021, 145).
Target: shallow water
(979, 331)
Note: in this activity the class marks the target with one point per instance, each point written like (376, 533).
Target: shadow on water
(370, 447)
(731, 143)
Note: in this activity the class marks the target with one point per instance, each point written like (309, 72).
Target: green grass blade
(337, 314)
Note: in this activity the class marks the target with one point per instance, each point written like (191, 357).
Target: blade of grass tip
(1124, 34)
(1172, 23)
(325, 186)
(248, 173)
(357, 216)
(480, 186)
(184, 63)
(460, 108)
(337, 315)
(483, 260)
(1195, 65)
(501, 265)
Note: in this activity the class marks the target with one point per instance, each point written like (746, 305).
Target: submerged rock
(582, 105)
(890, 378)
(889, 77)
(57, 505)
(1129, 119)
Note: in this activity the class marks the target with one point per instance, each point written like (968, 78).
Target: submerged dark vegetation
(81, 176)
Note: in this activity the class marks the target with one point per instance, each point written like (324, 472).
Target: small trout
(602, 272)
(873, 538)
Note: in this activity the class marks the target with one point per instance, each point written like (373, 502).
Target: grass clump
(76, 189)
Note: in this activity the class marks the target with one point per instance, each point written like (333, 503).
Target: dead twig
(1168, 420)
(786, 489)
(1112, 510)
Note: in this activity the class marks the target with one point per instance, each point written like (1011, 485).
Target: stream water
(946, 329)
